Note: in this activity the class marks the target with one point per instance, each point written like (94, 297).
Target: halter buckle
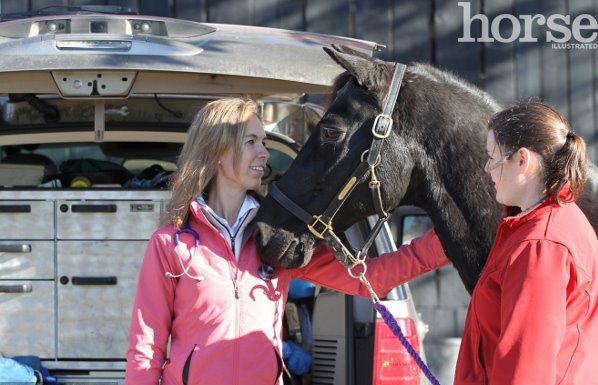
(318, 220)
(382, 126)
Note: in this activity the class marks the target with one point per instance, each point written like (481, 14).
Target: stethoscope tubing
(265, 271)
(185, 230)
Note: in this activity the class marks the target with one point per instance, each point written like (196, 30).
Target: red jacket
(227, 328)
(533, 316)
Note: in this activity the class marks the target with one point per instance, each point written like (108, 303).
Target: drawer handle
(93, 208)
(24, 288)
(94, 280)
(15, 248)
(15, 208)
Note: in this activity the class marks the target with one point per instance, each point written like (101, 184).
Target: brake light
(392, 363)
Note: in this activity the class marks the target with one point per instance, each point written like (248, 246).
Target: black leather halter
(321, 225)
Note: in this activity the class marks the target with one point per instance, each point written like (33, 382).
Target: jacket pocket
(479, 364)
(185, 374)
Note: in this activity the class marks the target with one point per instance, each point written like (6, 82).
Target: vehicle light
(392, 362)
(108, 45)
(52, 27)
(145, 27)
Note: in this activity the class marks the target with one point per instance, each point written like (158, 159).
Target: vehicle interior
(50, 143)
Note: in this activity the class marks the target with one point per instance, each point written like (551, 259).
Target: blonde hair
(216, 127)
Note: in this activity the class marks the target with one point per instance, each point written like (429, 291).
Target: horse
(433, 159)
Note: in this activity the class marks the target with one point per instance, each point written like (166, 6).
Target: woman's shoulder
(554, 223)
(164, 234)
(564, 225)
(568, 222)
(568, 226)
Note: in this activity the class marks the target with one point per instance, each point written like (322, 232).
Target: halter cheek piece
(321, 225)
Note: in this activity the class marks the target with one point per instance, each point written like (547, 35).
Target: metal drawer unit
(99, 248)
(26, 220)
(96, 290)
(69, 263)
(27, 318)
(107, 219)
(26, 259)
(27, 291)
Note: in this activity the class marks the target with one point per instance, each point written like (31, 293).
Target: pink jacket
(227, 329)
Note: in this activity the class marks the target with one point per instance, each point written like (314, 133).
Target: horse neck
(465, 222)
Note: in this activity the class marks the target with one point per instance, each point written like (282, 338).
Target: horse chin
(280, 248)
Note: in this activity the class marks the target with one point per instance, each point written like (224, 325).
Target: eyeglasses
(491, 165)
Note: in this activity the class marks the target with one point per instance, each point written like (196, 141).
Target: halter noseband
(321, 225)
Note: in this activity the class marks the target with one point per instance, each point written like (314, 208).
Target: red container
(392, 363)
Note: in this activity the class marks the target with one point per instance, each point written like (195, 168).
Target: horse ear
(351, 51)
(357, 66)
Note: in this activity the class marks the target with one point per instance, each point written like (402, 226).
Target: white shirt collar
(248, 204)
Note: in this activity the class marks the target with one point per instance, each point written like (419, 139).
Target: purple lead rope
(396, 330)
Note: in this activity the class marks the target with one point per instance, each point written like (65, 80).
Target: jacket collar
(246, 213)
(514, 215)
(196, 214)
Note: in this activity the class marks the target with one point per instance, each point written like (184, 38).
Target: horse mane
(451, 80)
(413, 71)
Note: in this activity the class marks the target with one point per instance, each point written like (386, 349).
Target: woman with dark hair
(533, 316)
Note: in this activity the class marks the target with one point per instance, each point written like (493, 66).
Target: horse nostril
(300, 248)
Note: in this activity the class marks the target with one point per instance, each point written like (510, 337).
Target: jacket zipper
(234, 272)
(236, 342)
(235, 278)
(492, 250)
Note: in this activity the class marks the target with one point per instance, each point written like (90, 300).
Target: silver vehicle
(94, 109)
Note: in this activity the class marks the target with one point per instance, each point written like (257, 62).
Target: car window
(57, 153)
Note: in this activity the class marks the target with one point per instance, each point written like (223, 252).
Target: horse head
(433, 158)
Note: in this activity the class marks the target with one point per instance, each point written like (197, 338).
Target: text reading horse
(433, 158)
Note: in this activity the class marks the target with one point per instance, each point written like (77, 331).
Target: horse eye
(330, 134)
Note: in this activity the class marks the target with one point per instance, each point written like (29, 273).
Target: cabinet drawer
(26, 260)
(96, 290)
(27, 318)
(107, 219)
(26, 220)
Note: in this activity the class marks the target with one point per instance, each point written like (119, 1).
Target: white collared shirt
(233, 234)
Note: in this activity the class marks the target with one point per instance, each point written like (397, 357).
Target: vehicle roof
(195, 57)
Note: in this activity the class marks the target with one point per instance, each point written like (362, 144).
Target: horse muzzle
(280, 248)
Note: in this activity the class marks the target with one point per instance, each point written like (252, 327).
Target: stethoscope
(265, 271)
(185, 230)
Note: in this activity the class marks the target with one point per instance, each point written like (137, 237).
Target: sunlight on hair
(216, 127)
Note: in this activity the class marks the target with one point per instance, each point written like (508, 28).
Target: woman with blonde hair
(202, 283)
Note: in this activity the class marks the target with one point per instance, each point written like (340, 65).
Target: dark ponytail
(569, 165)
(544, 130)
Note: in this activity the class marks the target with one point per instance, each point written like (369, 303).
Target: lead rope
(391, 322)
